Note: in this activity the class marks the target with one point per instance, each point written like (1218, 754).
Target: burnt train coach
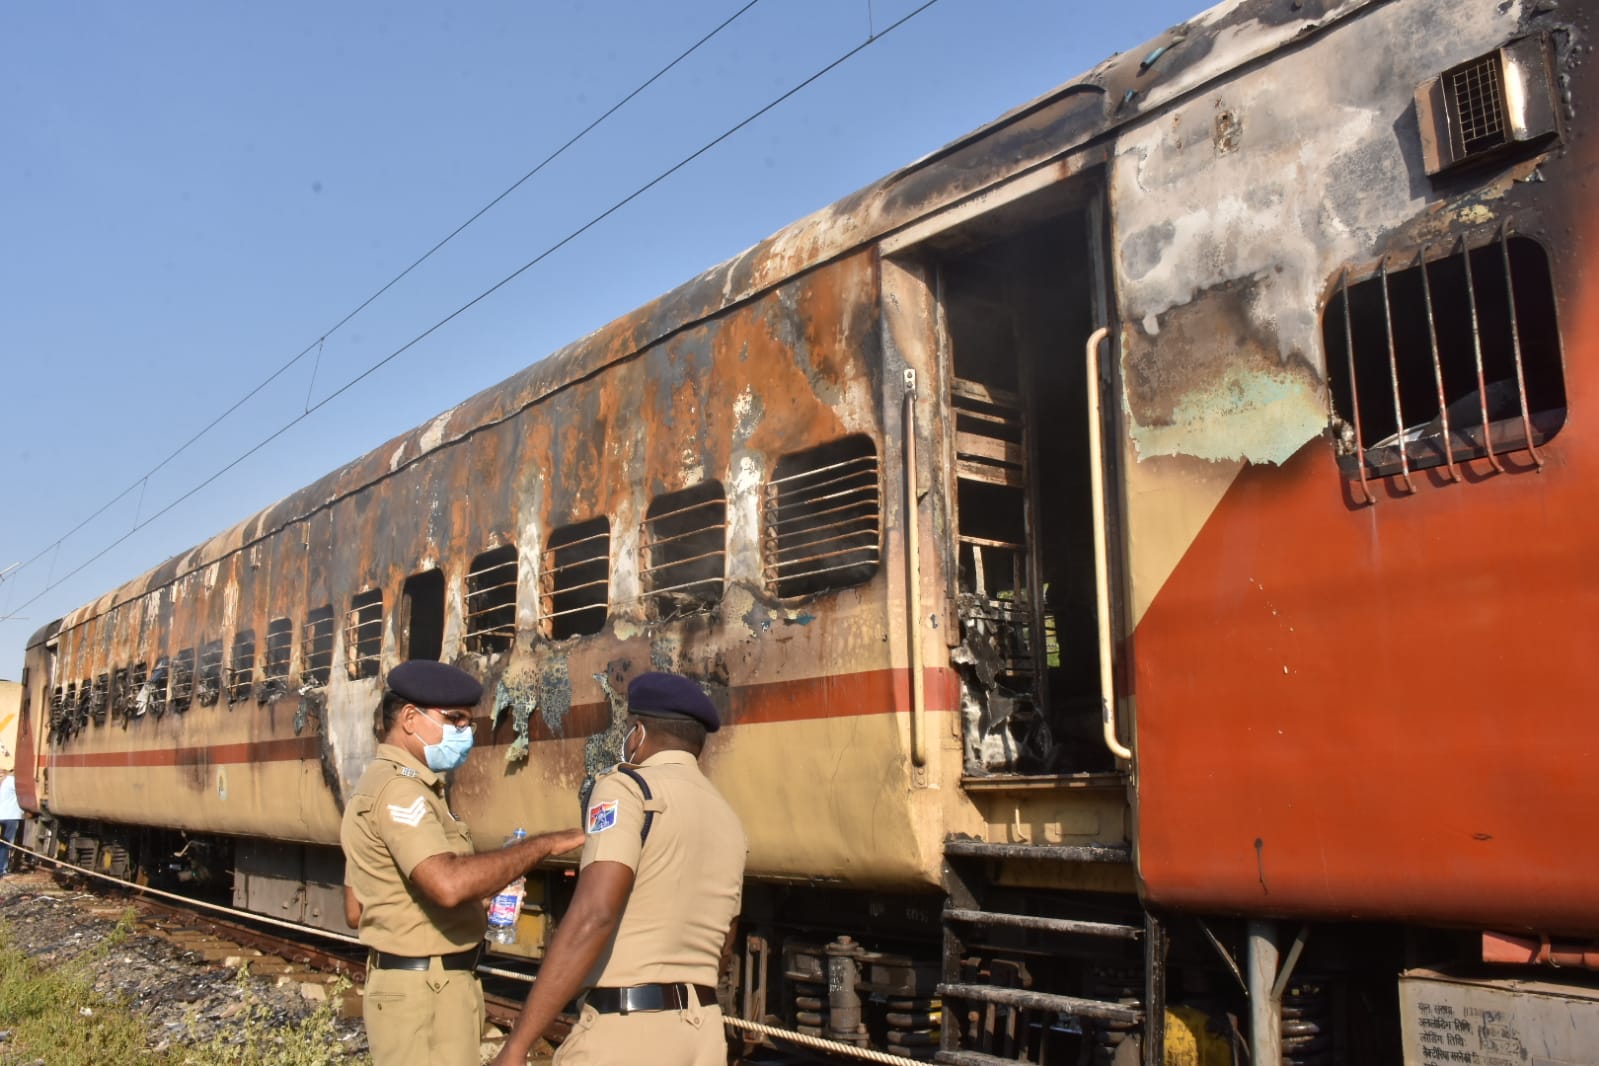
(1141, 552)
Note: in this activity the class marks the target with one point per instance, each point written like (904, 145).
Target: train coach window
(138, 692)
(100, 699)
(242, 667)
(210, 684)
(58, 712)
(823, 518)
(69, 710)
(363, 634)
(684, 546)
(422, 616)
(1445, 359)
(491, 600)
(160, 673)
(118, 706)
(316, 647)
(279, 642)
(182, 680)
(575, 581)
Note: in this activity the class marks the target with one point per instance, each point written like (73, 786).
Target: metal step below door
(1018, 982)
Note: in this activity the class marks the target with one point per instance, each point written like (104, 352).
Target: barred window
(182, 680)
(210, 686)
(241, 670)
(576, 578)
(139, 691)
(100, 699)
(491, 600)
(117, 704)
(279, 642)
(1453, 356)
(823, 518)
(69, 710)
(160, 674)
(316, 647)
(363, 634)
(684, 547)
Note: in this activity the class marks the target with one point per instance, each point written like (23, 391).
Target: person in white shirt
(10, 818)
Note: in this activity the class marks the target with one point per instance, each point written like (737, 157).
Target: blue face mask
(455, 743)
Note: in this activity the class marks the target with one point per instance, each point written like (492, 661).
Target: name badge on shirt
(602, 816)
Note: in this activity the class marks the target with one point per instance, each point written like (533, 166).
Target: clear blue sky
(193, 192)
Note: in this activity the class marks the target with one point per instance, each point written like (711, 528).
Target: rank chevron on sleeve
(411, 815)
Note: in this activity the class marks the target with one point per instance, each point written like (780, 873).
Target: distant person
(413, 884)
(10, 818)
(656, 903)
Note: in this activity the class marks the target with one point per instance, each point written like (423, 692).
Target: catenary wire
(317, 344)
(480, 297)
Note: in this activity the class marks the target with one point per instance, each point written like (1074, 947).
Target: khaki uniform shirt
(396, 817)
(688, 876)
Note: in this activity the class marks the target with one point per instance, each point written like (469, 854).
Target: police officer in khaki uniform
(656, 903)
(413, 884)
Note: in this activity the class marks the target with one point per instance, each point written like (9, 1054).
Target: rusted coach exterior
(1155, 516)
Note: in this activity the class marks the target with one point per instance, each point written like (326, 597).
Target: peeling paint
(521, 698)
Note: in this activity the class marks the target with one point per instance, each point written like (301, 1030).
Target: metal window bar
(317, 649)
(1393, 377)
(363, 634)
(182, 691)
(99, 698)
(1476, 343)
(1437, 365)
(592, 552)
(210, 681)
(243, 667)
(1515, 344)
(118, 708)
(1354, 390)
(138, 697)
(280, 642)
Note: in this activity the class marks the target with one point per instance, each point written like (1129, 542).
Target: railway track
(221, 935)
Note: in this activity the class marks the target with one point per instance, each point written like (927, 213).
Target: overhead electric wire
(364, 304)
(474, 301)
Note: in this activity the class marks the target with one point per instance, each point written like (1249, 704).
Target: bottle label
(504, 909)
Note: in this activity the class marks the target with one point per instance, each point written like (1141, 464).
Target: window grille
(242, 669)
(823, 518)
(210, 684)
(684, 547)
(69, 710)
(117, 704)
(139, 691)
(491, 601)
(576, 578)
(316, 648)
(363, 634)
(100, 699)
(279, 642)
(1452, 357)
(182, 680)
(160, 673)
(58, 712)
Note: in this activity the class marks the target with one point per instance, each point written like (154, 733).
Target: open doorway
(1018, 296)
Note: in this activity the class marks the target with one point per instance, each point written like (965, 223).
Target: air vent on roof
(1486, 107)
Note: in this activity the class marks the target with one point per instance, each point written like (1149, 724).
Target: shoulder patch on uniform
(602, 816)
(406, 771)
(411, 815)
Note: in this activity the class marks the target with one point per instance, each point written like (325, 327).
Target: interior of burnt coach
(1018, 295)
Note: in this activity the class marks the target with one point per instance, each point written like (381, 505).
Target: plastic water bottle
(507, 904)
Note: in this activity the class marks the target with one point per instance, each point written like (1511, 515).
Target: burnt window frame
(241, 679)
(845, 477)
(100, 698)
(567, 578)
(363, 635)
(181, 686)
(425, 588)
(1423, 380)
(488, 615)
(159, 680)
(277, 664)
(209, 668)
(138, 680)
(675, 545)
(121, 693)
(317, 637)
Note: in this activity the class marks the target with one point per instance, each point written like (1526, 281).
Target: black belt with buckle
(647, 998)
(460, 960)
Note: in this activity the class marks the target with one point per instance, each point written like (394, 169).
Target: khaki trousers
(423, 1017)
(689, 1037)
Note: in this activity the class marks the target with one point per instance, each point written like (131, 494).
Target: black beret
(656, 695)
(430, 684)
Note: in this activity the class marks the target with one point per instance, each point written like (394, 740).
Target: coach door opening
(1018, 294)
